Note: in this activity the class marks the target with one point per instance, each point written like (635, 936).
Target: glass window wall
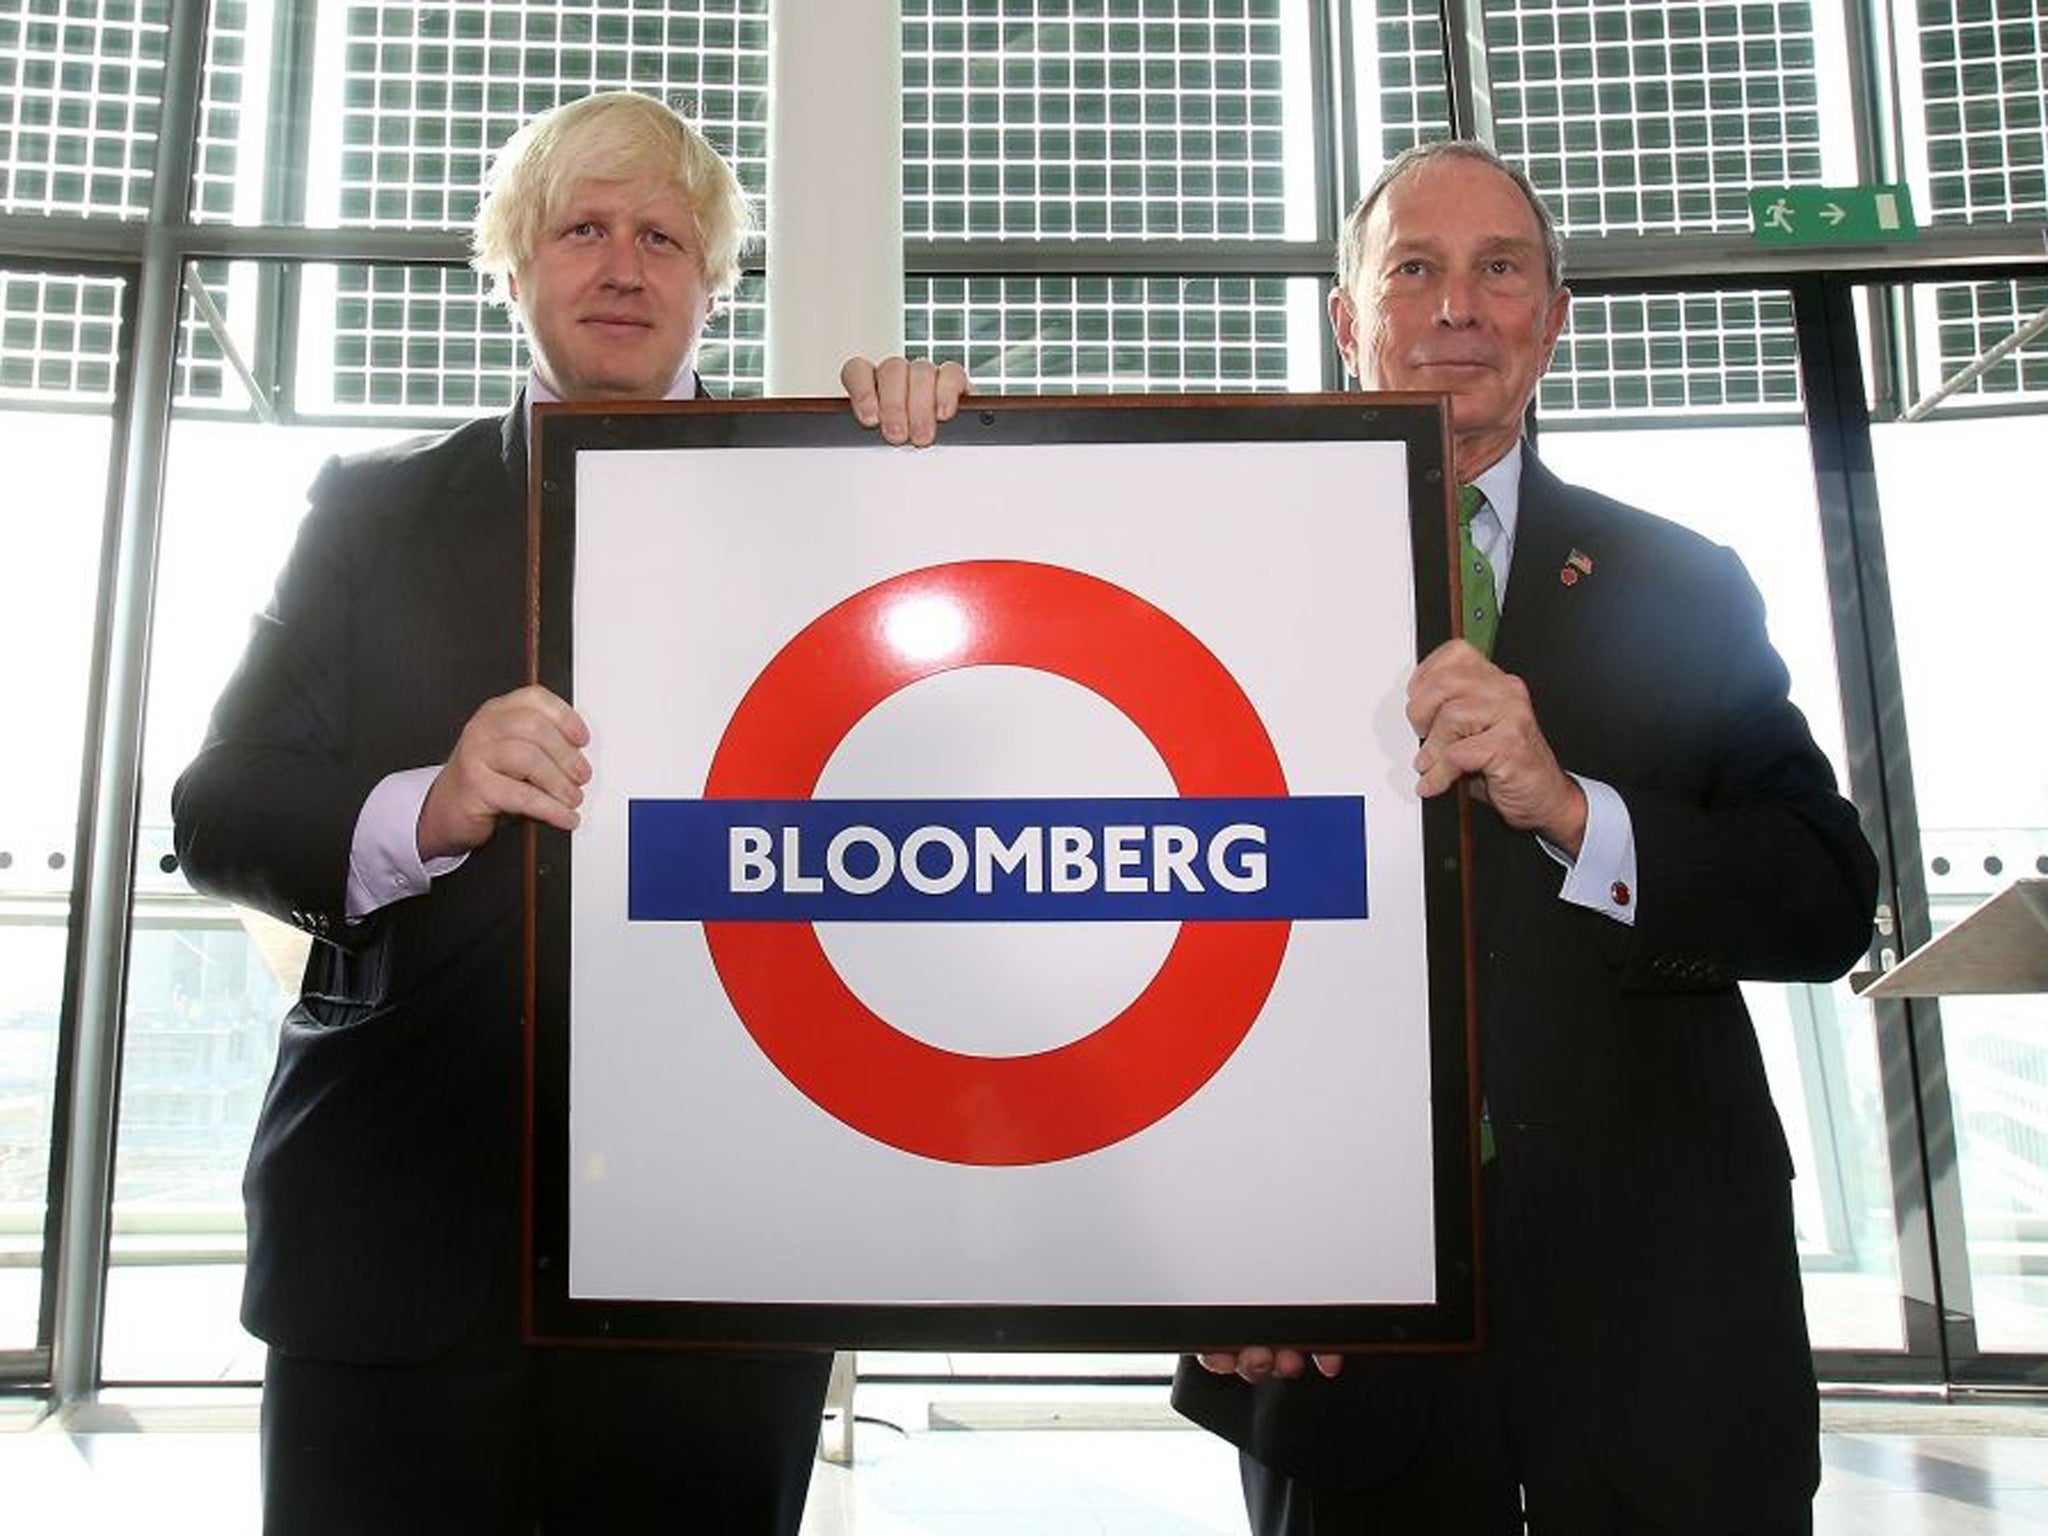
(1749, 484)
(81, 99)
(208, 983)
(1030, 336)
(1953, 507)
(1125, 121)
(1179, 125)
(59, 350)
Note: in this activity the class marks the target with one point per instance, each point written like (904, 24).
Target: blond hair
(611, 136)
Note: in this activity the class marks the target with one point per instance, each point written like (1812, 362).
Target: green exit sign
(1830, 215)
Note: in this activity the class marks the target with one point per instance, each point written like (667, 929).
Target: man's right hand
(1256, 1362)
(1477, 723)
(519, 755)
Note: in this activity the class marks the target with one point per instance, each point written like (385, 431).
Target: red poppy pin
(1576, 564)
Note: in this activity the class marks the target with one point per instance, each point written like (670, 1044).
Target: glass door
(1953, 426)
(208, 982)
(60, 359)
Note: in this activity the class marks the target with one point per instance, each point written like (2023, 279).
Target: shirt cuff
(1603, 877)
(384, 862)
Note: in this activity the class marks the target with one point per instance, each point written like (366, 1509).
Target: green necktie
(1482, 618)
(1475, 574)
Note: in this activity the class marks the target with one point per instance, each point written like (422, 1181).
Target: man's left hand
(906, 399)
(1476, 723)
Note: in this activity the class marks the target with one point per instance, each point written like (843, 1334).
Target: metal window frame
(34, 1366)
(90, 1027)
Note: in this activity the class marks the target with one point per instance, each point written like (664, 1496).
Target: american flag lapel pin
(1576, 564)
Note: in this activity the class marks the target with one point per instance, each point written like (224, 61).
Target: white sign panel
(1002, 889)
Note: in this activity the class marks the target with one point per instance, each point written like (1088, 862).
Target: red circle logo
(1089, 1093)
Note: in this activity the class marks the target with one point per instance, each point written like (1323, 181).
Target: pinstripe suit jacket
(382, 1185)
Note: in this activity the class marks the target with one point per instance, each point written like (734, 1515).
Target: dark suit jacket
(382, 1185)
(1642, 1182)
(383, 1182)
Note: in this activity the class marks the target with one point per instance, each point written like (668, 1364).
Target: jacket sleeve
(1765, 874)
(265, 814)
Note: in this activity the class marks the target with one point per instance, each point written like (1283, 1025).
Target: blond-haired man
(357, 779)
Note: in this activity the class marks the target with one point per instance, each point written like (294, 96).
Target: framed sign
(1002, 915)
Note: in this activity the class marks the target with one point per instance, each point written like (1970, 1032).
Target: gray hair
(1351, 240)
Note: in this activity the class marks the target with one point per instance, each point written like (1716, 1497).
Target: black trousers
(497, 1439)
(1467, 1481)
(1508, 1447)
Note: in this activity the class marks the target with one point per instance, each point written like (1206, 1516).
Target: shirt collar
(1501, 484)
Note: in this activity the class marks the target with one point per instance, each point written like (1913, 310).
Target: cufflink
(1618, 893)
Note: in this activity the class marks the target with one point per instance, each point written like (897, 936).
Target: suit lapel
(483, 479)
(481, 527)
(474, 523)
(508, 465)
(1549, 624)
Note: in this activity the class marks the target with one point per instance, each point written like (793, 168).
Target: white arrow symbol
(1834, 213)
